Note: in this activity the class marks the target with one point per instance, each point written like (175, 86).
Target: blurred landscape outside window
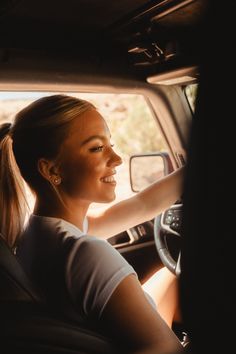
(133, 128)
(191, 94)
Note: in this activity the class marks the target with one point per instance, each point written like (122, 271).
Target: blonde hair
(13, 204)
(38, 131)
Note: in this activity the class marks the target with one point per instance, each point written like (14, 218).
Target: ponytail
(13, 202)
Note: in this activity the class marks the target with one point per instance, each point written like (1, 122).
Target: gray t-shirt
(76, 272)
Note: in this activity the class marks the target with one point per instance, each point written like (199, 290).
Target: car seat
(28, 326)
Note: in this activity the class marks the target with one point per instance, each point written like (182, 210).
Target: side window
(133, 128)
(191, 94)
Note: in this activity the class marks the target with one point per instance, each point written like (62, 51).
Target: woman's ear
(49, 171)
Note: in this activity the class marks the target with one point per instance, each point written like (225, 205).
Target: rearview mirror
(147, 168)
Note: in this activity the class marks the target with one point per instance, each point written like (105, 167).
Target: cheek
(82, 173)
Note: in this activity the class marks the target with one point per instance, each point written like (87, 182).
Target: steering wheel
(167, 225)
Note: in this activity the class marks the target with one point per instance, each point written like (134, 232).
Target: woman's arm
(130, 319)
(144, 206)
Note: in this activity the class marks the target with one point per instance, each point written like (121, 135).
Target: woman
(61, 147)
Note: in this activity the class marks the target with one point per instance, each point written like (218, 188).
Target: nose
(115, 159)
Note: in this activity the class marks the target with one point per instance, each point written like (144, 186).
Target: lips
(109, 179)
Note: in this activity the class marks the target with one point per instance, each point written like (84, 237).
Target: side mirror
(144, 169)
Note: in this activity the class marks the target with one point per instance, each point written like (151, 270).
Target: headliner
(124, 31)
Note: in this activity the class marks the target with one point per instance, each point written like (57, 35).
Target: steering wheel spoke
(166, 225)
(171, 219)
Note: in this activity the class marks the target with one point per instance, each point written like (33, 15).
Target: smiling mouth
(109, 179)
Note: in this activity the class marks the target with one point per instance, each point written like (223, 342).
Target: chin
(107, 199)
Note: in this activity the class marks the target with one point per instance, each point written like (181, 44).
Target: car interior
(152, 49)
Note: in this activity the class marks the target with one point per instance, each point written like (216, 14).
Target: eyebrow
(101, 137)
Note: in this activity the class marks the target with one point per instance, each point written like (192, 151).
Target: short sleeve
(94, 270)
(150, 300)
(85, 225)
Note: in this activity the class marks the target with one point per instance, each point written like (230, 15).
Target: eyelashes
(99, 148)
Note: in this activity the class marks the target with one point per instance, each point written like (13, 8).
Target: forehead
(89, 123)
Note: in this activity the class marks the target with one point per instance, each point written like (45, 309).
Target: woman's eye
(97, 148)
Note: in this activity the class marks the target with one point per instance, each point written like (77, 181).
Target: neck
(71, 211)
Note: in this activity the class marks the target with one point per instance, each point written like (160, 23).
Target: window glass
(133, 128)
(191, 94)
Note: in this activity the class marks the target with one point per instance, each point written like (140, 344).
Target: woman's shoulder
(49, 232)
(51, 226)
(50, 235)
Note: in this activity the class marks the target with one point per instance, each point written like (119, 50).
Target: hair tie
(4, 130)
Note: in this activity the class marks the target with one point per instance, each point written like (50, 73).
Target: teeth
(108, 179)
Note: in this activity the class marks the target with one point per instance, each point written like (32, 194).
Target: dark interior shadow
(207, 282)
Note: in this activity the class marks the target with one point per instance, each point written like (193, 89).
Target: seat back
(28, 326)
(14, 284)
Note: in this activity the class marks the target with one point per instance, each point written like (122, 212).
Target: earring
(57, 180)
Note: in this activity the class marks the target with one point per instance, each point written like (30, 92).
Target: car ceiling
(143, 36)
